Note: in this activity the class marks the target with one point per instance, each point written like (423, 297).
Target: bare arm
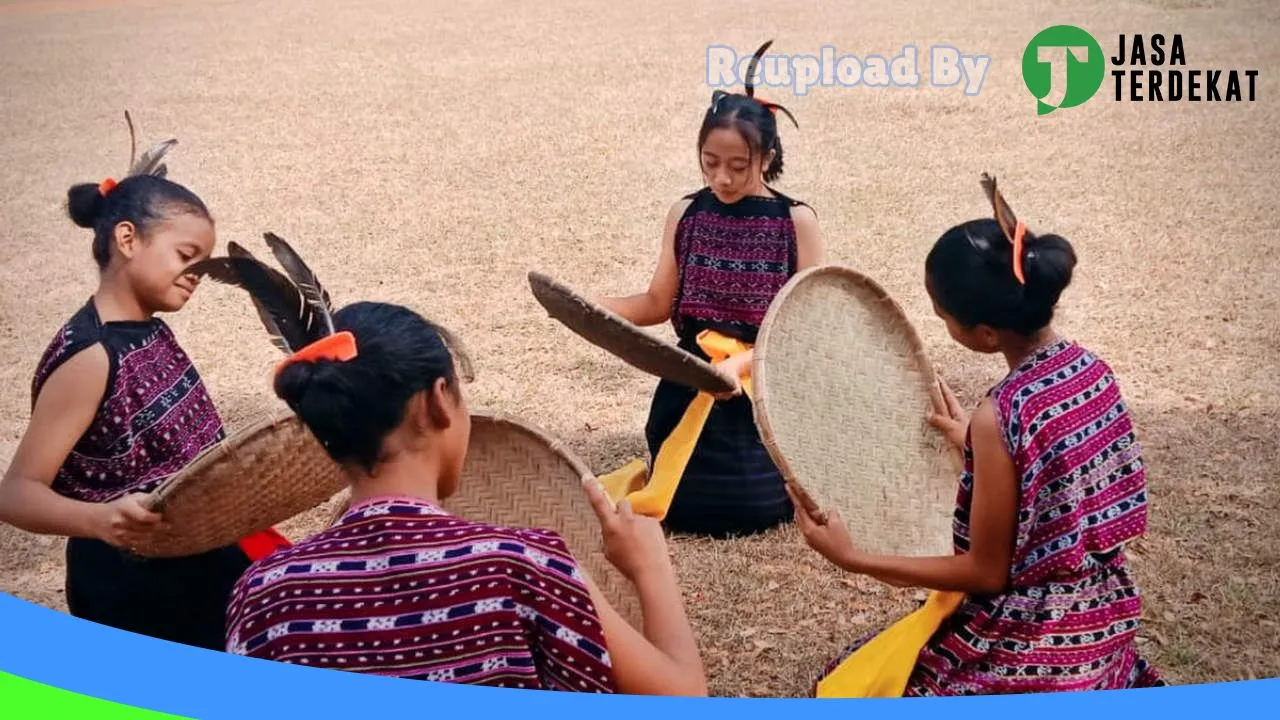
(63, 411)
(810, 249)
(653, 306)
(992, 519)
(664, 660)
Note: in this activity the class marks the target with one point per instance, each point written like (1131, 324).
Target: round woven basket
(517, 476)
(842, 390)
(613, 333)
(258, 476)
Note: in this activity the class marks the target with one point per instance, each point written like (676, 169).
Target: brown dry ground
(430, 153)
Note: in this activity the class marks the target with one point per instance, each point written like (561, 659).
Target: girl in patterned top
(1052, 491)
(400, 587)
(117, 407)
(727, 250)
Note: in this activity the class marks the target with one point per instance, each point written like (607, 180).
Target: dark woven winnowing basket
(637, 348)
(842, 390)
(517, 476)
(258, 476)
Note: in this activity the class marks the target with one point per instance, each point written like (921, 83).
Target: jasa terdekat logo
(1064, 66)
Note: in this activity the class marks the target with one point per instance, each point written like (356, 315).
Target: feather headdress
(293, 306)
(151, 162)
(1013, 228)
(750, 84)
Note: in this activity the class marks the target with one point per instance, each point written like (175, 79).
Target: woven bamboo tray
(258, 476)
(842, 389)
(517, 476)
(637, 348)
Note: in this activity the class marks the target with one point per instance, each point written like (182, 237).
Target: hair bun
(85, 204)
(1050, 262)
(293, 381)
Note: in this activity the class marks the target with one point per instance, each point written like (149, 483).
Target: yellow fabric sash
(654, 499)
(882, 667)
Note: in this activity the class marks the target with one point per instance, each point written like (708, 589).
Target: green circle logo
(1063, 67)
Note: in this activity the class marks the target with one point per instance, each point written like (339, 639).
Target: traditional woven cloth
(1069, 619)
(402, 588)
(733, 260)
(154, 418)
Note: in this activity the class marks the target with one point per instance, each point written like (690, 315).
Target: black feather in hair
(290, 320)
(1003, 213)
(751, 69)
(303, 278)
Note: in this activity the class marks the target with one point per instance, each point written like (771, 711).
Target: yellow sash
(882, 666)
(654, 499)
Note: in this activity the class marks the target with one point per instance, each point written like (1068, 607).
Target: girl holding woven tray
(1038, 596)
(727, 250)
(399, 586)
(118, 407)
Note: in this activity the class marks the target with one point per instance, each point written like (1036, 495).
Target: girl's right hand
(125, 521)
(954, 424)
(634, 543)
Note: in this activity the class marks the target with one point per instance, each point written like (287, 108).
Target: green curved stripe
(21, 699)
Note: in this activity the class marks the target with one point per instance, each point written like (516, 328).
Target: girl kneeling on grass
(398, 586)
(726, 252)
(1039, 593)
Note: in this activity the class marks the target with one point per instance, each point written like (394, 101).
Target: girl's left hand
(827, 534)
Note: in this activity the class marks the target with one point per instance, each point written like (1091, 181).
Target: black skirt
(183, 600)
(731, 485)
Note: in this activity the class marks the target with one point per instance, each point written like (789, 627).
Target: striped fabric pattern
(399, 587)
(1069, 619)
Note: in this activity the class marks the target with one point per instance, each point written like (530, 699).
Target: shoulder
(804, 216)
(542, 552)
(984, 423)
(80, 370)
(682, 206)
(81, 330)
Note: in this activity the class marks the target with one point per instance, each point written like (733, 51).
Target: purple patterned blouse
(153, 419)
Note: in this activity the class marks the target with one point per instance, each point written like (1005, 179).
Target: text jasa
(1173, 85)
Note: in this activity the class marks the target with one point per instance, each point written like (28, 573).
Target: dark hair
(970, 273)
(351, 406)
(142, 200)
(752, 120)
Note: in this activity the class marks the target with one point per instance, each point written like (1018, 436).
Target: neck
(404, 475)
(758, 188)
(1019, 349)
(116, 301)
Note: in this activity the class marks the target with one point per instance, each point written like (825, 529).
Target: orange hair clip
(106, 186)
(1018, 235)
(339, 347)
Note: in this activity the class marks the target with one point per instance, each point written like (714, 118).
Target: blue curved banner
(57, 650)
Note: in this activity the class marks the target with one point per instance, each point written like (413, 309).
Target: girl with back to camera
(1038, 596)
(398, 586)
(727, 250)
(117, 407)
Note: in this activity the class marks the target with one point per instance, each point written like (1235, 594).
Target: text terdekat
(1136, 83)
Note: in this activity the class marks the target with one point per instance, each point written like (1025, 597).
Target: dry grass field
(431, 153)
